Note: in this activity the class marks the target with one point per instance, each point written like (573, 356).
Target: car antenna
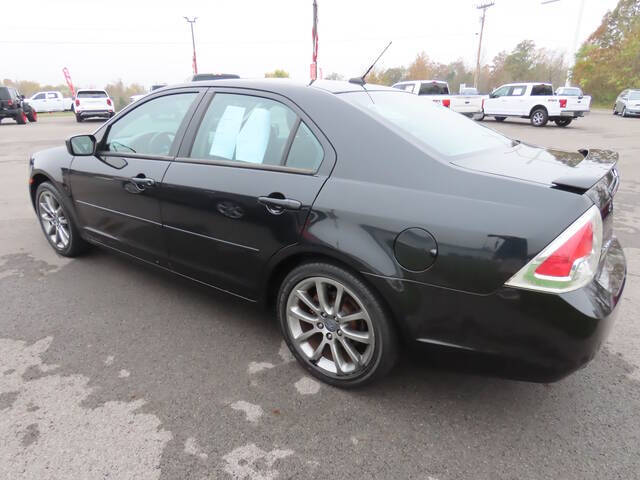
(360, 80)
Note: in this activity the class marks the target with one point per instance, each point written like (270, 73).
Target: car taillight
(446, 102)
(77, 102)
(109, 101)
(569, 262)
(563, 103)
(9, 102)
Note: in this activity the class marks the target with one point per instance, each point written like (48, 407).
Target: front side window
(150, 129)
(39, 96)
(244, 128)
(501, 92)
(433, 127)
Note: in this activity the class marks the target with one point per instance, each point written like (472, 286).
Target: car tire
(57, 222)
(79, 119)
(340, 352)
(21, 117)
(563, 122)
(539, 117)
(500, 119)
(480, 117)
(615, 112)
(32, 115)
(624, 112)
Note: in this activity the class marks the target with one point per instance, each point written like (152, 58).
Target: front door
(496, 104)
(241, 188)
(116, 191)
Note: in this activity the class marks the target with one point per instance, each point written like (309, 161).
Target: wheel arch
(279, 268)
(534, 108)
(36, 180)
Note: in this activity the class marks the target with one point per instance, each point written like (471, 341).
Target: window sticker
(254, 137)
(226, 136)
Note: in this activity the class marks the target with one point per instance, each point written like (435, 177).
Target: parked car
(569, 92)
(93, 104)
(627, 103)
(51, 101)
(362, 223)
(198, 77)
(135, 98)
(438, 91)
(12, 106)
(535, 101)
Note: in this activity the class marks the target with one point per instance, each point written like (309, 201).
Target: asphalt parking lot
(109, 369)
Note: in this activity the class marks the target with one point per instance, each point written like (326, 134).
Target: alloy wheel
(54, 221)
(330, 327)
(538, 118)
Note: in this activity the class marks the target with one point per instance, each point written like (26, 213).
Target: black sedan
(368, 217)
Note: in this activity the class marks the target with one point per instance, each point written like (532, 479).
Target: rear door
(116, 192)
(242, 187)
(54, 102)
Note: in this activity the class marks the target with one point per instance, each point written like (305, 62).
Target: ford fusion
(368, 218)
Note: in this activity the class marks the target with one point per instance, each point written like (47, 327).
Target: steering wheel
(160, 143)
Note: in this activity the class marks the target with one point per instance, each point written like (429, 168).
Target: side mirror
(81, 145)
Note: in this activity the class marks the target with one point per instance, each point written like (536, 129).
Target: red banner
(67, 77)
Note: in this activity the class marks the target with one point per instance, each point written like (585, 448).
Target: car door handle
(278, 205)
(142, 182)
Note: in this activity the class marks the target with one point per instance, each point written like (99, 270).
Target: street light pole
(482, 7)
(575, 40)
(193, 41)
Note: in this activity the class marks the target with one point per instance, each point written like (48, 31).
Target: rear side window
(433, 89)
(306, 152)
(538, 90)
(244, 128)
(92, 94)
(52, 95)
(517, 91)
(151, 128)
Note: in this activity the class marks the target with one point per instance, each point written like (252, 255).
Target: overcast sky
(149, 41)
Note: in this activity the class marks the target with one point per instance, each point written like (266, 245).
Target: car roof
(525, 83)
(423, 81)
(283, 86)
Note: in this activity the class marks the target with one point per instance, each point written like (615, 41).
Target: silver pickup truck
(438, 91)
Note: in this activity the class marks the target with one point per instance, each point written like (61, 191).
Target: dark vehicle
(359, 213)
(198, 77)
(12, 105)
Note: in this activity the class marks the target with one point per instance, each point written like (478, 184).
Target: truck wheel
(539, 117)
(21, 117)
(500, 119)
(79, 119)
(32, 116)
(563, 122)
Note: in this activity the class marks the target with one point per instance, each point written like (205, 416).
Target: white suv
(93, 104)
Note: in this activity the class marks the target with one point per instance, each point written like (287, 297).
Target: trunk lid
(578, 104)
(571, 171)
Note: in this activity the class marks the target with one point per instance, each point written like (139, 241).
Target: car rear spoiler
(597, 164)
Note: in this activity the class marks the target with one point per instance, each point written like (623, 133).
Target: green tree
(277, 73)
(334, 76)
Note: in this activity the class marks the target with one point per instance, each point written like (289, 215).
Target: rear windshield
(469, 91)
(634, 96)
(4, 93)
(92, 94)
(434, 89)
(573, 92)
(436, 128)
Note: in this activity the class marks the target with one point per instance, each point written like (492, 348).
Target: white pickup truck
(537, 102)
(51, 101)
(439, 92)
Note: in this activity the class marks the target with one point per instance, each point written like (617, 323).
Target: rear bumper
(8, 113)
(95, 113)
(530, 335)
(574, 114)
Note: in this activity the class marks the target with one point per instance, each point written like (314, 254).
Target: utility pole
(314, 37)
(575, 40)
(482, 7)
(193, 41)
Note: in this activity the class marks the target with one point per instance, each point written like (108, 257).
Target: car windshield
(634, 96)
(92, 94)
(435, 127)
